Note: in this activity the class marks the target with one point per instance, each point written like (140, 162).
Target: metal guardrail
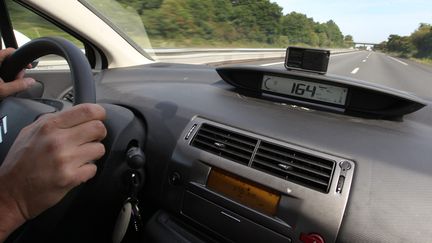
(179, 51)
(213, 56)
(221, 56)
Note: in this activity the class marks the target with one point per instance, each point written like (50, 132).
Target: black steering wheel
(90, 209)
(17, 113)
(81, 73)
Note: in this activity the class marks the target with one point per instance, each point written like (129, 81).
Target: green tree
(244, 21)
(141, 5)
(381, 46)
(422, 40)
(400, 44)
(349, 41)
(257, 19)
(321, 30)
(299, 29)
(334, 33)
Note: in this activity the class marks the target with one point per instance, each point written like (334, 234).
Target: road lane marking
(369, 55)
(271, 64)
(399, 61)
(364, 60)
(355, 70)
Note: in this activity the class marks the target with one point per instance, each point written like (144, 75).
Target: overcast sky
(367, 20)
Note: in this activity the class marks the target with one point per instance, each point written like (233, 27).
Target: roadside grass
(427, 61)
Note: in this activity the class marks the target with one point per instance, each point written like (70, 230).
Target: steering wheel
(101, 197)
(12, 109)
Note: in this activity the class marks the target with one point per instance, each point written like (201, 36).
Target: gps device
(307, 59)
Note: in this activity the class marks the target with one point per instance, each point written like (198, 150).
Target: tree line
(234, 21)
(418, 44)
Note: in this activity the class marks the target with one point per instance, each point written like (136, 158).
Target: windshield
(369, 40)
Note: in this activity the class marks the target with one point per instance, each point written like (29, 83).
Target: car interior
(233, 153)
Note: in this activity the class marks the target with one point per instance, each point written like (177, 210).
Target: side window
(28, 25)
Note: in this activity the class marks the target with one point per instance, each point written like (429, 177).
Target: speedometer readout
(307, 90)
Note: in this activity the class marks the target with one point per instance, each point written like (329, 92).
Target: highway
(378, 68)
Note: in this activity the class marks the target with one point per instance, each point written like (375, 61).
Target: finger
(84, 173)
(15, 86)
(85, 153)
(21, 74)
(86, 132)
(80, 114)
(5, 53)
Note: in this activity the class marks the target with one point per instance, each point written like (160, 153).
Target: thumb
(15, 86)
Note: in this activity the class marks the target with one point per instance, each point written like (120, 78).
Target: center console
(239, 186)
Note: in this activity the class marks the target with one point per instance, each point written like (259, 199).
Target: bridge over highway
(365, 45)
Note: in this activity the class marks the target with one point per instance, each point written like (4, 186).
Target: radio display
(245, 192)
(305, 89)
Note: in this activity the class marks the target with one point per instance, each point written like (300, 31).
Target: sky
(368, 20)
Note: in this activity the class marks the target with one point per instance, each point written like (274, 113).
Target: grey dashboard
(388, 193)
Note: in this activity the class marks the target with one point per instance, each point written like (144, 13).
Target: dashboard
(226, 165)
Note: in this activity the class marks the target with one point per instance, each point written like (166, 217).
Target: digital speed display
(307, 90)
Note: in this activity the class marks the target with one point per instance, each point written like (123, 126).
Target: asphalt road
(379, 68)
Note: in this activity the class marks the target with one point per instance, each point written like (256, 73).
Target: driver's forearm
(10, 215)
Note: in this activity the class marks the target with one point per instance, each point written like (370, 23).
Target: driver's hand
(17, 85)
(50, 157)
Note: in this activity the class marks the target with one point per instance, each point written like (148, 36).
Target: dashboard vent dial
(295, 166)
(69, 96)
(224, 143)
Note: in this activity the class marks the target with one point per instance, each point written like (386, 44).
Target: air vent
(295, 166)
(69, 96)
(225, 143)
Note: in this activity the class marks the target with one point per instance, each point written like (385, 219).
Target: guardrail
(221, 56)
(213, 56)
(179, 51)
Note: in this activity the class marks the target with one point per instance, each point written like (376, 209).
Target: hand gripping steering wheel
(88, 212)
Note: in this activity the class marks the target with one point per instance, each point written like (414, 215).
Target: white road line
(399, 61)
(364, 60)
(355, 70)
(271, 64)
(369, 55)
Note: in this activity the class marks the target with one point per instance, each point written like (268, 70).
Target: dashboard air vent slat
(308, 170)
(278, 170)
(225, 143)
(292, 154)
(236, 144)
(69, 96)
(228, 134)
(263, 158)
